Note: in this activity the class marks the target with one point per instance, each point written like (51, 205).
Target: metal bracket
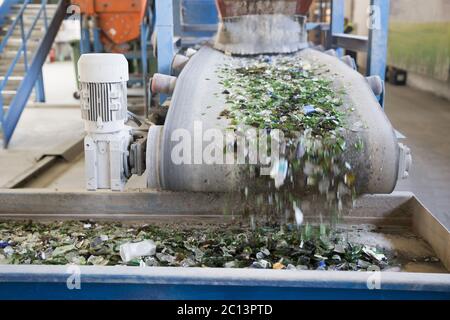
(138, 152)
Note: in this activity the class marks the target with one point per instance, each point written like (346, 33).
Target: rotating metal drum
(197, 103)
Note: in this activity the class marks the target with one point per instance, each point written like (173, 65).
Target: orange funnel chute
(119, 20)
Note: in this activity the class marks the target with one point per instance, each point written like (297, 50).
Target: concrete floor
(44, 128)
(425, 120)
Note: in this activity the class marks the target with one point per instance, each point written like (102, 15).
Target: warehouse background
(419, 40)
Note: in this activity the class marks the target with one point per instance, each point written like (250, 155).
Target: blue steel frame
(33, 71)
(5, 8)
(375, 44)
(378, 38)
(40, 92)
(164, 28)
(85, 37)
(146, 31)
(198, 18)
(337, 21)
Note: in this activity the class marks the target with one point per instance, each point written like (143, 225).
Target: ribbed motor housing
(103, 84)
(107, 101)
(103, 90)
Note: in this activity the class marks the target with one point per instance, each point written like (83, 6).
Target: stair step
(7, 99)
(11, 85)
(8, 92)
(6, 62)
(38, 32)
(17, 40)
(19, 69)
(12, 54)
(29, 17)
(30, 13)
(39, 25)
(33, 6)
(13, 82)
(9, 55)
(8, 96)
(29, 10)
(27, 23)
(15, 45)
(12, 78)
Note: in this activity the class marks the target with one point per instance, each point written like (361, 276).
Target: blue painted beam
(164, 35)
(378, 38)
(378, 41)
(177, 12)
(145, 39)
(39, 87)
(98, 46)
(85, 41)
(13, 26)
(337, 20)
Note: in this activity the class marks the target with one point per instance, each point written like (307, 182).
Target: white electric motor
(103, 91)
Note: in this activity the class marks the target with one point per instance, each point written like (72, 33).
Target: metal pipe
(178, 63)
(161, 83)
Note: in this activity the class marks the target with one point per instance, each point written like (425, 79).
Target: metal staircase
(27, 31)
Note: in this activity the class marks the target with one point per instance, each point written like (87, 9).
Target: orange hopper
(118, 20)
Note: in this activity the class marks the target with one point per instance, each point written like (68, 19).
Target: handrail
(5, 8)
(23, 46)
(13, 26)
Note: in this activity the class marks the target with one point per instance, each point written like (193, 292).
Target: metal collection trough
(398, 210)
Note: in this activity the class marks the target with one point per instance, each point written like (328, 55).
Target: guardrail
(33, 65)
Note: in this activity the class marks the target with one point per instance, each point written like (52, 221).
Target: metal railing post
(44, 4)
(24, 44)
(85, 41)
(39, 87)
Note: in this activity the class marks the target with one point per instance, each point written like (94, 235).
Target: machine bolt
(331, 52)
(348, 60)
(178, 63)
(376, 84)
(190, 52)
